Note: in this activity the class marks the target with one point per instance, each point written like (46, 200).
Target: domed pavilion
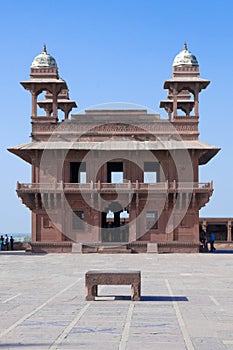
(116, 179)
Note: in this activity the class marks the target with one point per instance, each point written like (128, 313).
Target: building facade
(115, 176)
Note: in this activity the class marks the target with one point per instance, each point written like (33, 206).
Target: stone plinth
(77, 248)
(152, 248)
(95, 278)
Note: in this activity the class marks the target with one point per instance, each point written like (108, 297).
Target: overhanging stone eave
(208, 155)
(25, 155)
(203, 82)
(208, 151)
(43, 83)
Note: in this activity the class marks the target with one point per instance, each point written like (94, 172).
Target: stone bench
(95, 278)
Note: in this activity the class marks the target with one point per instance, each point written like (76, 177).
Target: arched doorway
(114, 224)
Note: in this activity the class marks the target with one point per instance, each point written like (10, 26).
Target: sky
(116, 51)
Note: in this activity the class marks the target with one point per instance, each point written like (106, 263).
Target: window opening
(152, 220)
(78, 172)
(115, 172)
(151, 172)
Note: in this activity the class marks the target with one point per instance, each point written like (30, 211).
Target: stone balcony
(49, 195)
(101, 187)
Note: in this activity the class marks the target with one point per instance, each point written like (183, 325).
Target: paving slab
(186, 302)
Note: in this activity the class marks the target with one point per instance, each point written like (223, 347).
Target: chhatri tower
(123, 179)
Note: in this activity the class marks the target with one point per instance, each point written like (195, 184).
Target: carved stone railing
(171, 187)
(195, 186)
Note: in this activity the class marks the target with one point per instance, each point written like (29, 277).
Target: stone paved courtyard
(187, 302)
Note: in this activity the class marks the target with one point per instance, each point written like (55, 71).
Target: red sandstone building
(110, 176)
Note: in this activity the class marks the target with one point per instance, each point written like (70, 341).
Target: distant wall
(21, 245)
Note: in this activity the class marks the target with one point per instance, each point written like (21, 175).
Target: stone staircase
(114, 249)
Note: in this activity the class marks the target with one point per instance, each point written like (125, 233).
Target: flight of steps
(114, 249)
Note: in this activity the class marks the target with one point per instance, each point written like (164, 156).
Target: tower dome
(44, 60)
(185, 57)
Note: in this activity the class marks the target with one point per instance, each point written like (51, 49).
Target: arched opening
(114, 224)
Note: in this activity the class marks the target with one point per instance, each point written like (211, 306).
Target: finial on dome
(44, 49)
(185, 58)
(44, 60)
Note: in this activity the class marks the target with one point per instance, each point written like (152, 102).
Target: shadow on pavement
(222, 252)
(163, 298)
(143, 298)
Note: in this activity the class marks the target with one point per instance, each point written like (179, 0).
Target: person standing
(6, 242)
(203, 238)
(11, 243)
(1, 242)
(212, 238)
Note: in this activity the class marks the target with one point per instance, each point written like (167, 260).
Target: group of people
(205, 241)
(6, 243)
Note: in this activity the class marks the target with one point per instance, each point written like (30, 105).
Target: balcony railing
(196, 186)
(115, 187)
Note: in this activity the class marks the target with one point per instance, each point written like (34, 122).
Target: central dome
(185, 57)
(44, 60)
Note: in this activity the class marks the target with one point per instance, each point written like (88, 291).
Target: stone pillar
(35, 236)
(169, 112)
(196, 113)
(132, 224)
(66, 112)
(47, 110)
(37, 171)
(33, 171)
(54, 102)
(34, 104)
(229, 230)
(196, 234)
(66, 171)
(174, 103)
